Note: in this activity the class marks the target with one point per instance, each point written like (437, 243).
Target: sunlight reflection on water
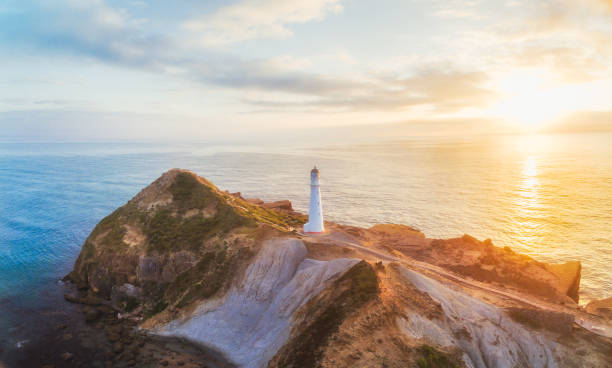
(526, 206)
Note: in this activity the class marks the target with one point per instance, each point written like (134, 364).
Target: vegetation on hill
(434, 358)
(180, 212)
(325, 313)
(209, 275)
(170, 228)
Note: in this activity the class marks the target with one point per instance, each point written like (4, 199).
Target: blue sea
(549, 196)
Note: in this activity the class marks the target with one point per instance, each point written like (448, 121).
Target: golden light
(530, 179)
(527, 206)
(531, 98)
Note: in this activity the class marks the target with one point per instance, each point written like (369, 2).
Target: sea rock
(85, 300)
(113, 335)
(256, 201)
(282, 205)
(602, 308)
(117, 347)
(91, 314)
(569, 277)
(122, 297)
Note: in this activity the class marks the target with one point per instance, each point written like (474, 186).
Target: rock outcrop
(602, 308)
(187, 260)
(482, 261)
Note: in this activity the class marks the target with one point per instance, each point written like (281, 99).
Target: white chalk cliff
(489, 338)
(253, 320)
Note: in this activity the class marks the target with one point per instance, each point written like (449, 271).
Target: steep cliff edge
(178, 240)
(185, 259)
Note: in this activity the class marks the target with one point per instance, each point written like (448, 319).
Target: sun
(531, 98)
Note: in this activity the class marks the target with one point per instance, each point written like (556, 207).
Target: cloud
(442, 90)
(569, 37)
(263, 75)
(456, 9)
(603, 5)
(252, 19)
(571, 65)
(584, 121)
(96, 30)
(85, 27)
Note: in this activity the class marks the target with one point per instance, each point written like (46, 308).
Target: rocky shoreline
(81, 331)
(88, 332)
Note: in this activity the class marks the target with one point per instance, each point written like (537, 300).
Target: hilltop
(184, 259)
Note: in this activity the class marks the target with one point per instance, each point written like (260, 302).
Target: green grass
(167, 232)
(189, 193)
(283, 219)
(112, 225)
(359, 285)
(200, 281)
(88, 250)
(433, 358)
(208, 276)
(364, 283)
(167, 229)
(157, 308)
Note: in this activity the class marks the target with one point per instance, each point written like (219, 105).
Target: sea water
(549, 196)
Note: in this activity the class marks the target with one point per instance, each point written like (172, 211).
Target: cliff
(178, 240)
(185, 259)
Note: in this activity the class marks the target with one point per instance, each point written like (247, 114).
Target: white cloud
(569, 37)
(251, 19)
(457, 9)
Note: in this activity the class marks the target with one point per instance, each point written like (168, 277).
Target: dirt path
(582, 319)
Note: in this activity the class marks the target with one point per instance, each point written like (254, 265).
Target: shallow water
(549, 196)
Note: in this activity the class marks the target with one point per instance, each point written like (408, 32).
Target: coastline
(79, 335)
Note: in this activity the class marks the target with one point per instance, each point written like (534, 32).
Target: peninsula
(236, 276)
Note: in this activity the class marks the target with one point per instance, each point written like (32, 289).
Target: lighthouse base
(309, 229)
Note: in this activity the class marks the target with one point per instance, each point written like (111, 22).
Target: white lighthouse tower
(315, 213)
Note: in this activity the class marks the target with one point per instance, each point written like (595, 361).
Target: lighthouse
(315, 213)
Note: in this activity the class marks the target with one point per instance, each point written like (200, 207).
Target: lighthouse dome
(314, 170)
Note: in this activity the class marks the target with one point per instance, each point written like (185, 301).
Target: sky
(80, 70)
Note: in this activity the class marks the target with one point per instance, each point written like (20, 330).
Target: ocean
(549, 196)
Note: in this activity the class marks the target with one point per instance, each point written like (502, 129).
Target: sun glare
(531, 99)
